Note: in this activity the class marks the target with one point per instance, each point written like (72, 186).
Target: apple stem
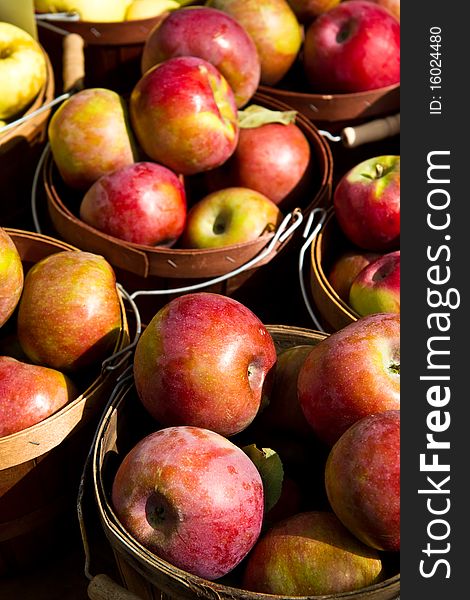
(379, 169)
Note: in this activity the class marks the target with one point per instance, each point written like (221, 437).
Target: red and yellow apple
(350, 374)
(204, 360)
(310, 554)
(212, 35)
(362, 480)
(29, 394)
(144, 203)
(11, 277)
(184, 115)
(22, 70)
(69, 314)
(376, 289)
(391, 5)
(367, 203)
(192, 497)
(345, 269)
(275, 31)
(90, 136)
(354, 47)
(229, 216)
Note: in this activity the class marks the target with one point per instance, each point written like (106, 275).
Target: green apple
(11, 276)
(229, 216)
(22, 70)
(90, 136)
(89, 10)
(145, 9)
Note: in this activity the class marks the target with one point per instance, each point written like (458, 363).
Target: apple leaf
(270, 468)
(255, 116)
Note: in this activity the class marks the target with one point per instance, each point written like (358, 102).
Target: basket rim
(39, 430)
(140, 555)
(377, 92)
(319, 273)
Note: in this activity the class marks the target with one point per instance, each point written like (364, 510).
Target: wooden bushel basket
(177, 264)
(328, 245)
(144, 575)
(40, 466)
(20, 148)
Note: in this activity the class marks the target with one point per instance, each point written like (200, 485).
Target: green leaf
(255, 116)
(270, 468)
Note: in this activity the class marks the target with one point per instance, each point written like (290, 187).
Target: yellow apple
(145, 9)
(89, 10)
(22, 69)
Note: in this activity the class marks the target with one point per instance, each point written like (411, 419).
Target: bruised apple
(29, 394)
(350, 374)
(310, 554)
(192, 497)
(362, 480)
(11, 276)
(69, 314)
(203, 360)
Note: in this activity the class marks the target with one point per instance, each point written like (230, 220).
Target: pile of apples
(188, 160)
(367, 207)
(58, 321)
(272, 473)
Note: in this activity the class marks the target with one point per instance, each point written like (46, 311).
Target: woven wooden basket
(143, 574)
(328, 245)
(20, 148)
(40, 466)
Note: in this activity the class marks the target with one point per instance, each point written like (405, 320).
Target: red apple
(11, 277)
(230, 216)
(391, 5)
(69, 314)
(90, 136)
(203, 360)
(345, 269)
(192, 497)
(362, 479)
(212, 35)
(376, 289)
(29, 394)
(144, 203)
(275, 31)
(307, 10)
(310, 554)
(283, 412)
(350, 374)
(367, 203)
(184, 115)
(272, 157)
(353, 47)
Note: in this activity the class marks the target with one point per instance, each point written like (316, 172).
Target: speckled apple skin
(362, 479)
(212, 35)
(69, 314)
(376, 288)
(351, 374)
(184, 115)
(11, 277)
(29, 394)
(144, 203)
(274, 29)
(368, 207)
(346, 268)
(310, 554)
(191, 364)
(191, 497)
(90, 136)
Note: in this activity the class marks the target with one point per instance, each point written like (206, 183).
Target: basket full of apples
(335, 61)
(355, 258)
(27, 84)
(62, 319)
(190, 177)
(220, 469)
